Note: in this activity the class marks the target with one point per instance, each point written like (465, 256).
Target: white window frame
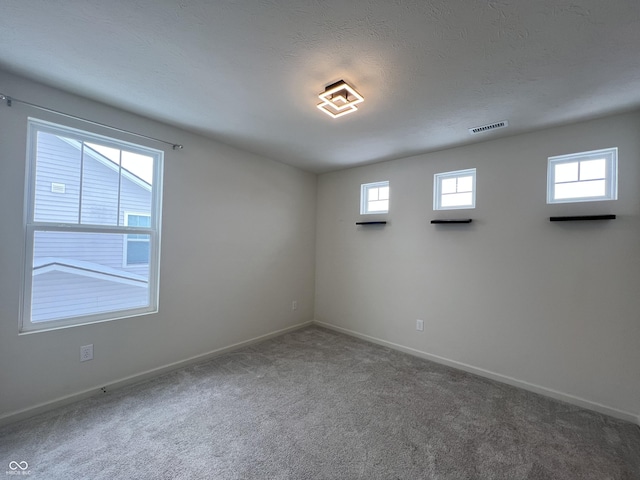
(31, 226)
(127, 240)
(364, 197)
(610, 155)
(437, 188)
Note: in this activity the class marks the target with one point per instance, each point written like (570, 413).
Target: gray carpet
(314, 404)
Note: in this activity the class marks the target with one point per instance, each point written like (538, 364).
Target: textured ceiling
(247, 72)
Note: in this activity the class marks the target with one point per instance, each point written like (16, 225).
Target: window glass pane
(591, 188)
(135, 196)
(374, 197)
(593, 169)
(109, 153)
(138, 220)
(456, 189)
(77, 274)
(448, 185)
(457, 200)
(100, 187)
(584, 176)
(139, 165)
(138, 250)
(566, 172)
(465, 184)
(57, 161)
(378, 206)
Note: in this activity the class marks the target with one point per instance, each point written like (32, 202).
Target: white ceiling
(247, 72)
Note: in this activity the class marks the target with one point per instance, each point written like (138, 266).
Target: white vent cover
(486, 128)
(58, 187)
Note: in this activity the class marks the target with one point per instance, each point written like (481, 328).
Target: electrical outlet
(294, 305)
(86, 353)
(420, 325)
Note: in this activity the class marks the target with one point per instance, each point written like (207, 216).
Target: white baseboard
(565, 397)
(139, 377)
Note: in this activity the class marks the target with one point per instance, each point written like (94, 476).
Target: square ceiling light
(339, 99)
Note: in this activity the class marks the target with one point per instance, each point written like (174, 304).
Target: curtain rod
(10, 100)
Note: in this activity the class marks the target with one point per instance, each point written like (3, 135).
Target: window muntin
(454, 190)
(77, 237)
(374, 198)
(583, 177)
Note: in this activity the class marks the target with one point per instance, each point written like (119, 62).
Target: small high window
(583, 177)
(454, 190)
(374, 198)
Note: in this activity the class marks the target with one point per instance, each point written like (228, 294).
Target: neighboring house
(85, 276)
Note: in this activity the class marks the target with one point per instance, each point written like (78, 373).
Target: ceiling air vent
(486, 128)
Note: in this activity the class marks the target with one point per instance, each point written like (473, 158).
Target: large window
(454, 190)
(374, 198)
(583, 177)
(92, 230)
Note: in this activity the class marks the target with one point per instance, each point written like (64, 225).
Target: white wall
(238, 240)
(552, 305)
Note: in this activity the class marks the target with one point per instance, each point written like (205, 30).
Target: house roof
(129, 175)
(247, 72)
(44, 265)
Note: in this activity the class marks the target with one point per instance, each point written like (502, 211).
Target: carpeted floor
(314, 404)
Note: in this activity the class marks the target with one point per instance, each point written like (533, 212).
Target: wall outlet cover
(86, 353)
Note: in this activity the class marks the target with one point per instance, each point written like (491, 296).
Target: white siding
(57, 162)
(99, 193)
(100, 248)
(62, 294)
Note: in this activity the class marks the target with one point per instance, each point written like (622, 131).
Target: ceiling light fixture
(339, 99)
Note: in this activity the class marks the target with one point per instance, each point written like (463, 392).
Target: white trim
(610, 155)
(52, 325)
(547, 392)
(437, 188)
(25, 413)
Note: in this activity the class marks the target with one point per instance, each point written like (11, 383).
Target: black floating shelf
(371, 223)
(446, 222)
(582, 217)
